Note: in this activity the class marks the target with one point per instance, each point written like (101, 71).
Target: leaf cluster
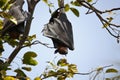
(61, 70)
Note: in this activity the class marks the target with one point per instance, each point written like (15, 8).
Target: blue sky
(94, 47)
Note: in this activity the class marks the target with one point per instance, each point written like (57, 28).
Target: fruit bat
(12, 29)
(59, 29)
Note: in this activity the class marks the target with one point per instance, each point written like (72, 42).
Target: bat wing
(18, 14)
(60, 30)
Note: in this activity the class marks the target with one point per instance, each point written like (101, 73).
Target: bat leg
(62, 50)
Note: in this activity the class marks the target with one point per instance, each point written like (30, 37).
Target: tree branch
(27, 29)
(38, 42)
(99, 13)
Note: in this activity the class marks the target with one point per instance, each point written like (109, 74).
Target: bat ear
(56, 51)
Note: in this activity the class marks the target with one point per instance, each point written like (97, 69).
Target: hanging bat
(59, 29)
(12, 29)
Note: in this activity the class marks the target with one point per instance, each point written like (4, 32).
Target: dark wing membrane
(61, 30)
(18, 14)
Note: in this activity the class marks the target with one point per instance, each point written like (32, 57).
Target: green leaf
(61, 71)
(46, 1)
(8, 16)
(67, 7)
(111, 70)
(75, 11)
(62, 62)
(52, 73)
(107, 79)
(3, 2)
(20, 73)
(109, 19)
(37, 78)
(99, 68)
(59, 3)
(2, 73)
(72, 68)
(75, 3)
(28, 58)
(4, 66)
(27, 68)
(61, 77)
(30, 54)
(50, 5)
(11, 42)
(89, 0)
(7, 6)
(1, 24)
(70, 75)
(30, 38)
(9, 78)
(105, 25)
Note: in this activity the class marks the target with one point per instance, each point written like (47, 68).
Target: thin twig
(37, 42)
(98, 13)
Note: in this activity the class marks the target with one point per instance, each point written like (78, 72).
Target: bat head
(60, 47)
(62, 50)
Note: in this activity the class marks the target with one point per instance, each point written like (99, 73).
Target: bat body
(12, 29)
(59, 29)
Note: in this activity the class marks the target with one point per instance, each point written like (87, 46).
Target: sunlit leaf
(13, 20)
(30, 54)
(9, 78)
(7, 6)
(46, 1)
(105, 25)
(99, 68)
(59, 3)
(62, 62)
(75, 3)
(109, 19)
(72, 68)
(52, 73)
(107, 79)
(61, 71)
(3, 73)
(70, 75)
(3, 2)
(61, 77)
(30, 38)
(75, 11)
(37, 78)
(11, 42)
(28, 58)
(111, 70)
(50, 5)
(1, 24)
(89, 0)
(20, 72)
(67, 7)
(27, 68)
(8, 16)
